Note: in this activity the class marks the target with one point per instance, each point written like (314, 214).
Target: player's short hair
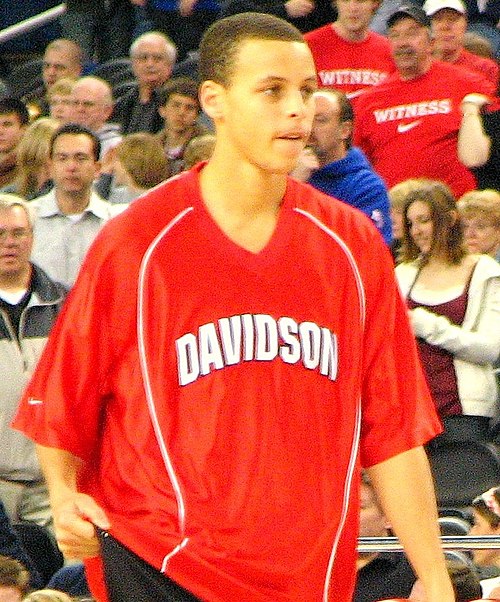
(14, 106)
(75, 129)
(169, 47)
(223, 39)
(13, 574)
(70, 46)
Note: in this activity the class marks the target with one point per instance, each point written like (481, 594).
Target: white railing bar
(449, 542)
(18, 29)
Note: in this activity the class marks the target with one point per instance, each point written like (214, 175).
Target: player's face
(449, 27)
(328, 132)
(482, 527)
(16, 241)
(11, 132)
(151, 63)
(354, 16)
(73, 167)
(397, 223)
(421, 226)
(61, 108)
(411, 47)
(180, 113)
(264, 115)
(481, 235)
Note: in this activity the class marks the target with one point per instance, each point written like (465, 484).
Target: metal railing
(19, 29)
(449, 542)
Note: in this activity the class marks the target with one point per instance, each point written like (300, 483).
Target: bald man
(92, 100)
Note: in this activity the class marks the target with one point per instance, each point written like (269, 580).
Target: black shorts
(129, 578)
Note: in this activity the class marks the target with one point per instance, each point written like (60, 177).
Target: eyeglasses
(86, 104)
(17, 234)
(156, 58)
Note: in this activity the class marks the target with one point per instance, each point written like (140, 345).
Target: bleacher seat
(463, 470)
(115, 71)
(26, 78)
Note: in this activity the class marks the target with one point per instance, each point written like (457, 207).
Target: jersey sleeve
(398, 413)
(64, 402)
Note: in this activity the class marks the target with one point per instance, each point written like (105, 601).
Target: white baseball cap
(431, 7)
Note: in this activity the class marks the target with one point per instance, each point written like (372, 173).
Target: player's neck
(350, 35)
(16, 281)
(243, 202)
(449, 56)
(73, 203)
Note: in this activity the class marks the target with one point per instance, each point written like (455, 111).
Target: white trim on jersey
(357, 431)
(181, 509)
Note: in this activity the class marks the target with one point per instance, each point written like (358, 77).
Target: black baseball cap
(409, 10)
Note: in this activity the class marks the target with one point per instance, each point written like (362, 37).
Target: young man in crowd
(235, 348)
(14, 118)
(348, 56)
(180, 109)
(68, 218)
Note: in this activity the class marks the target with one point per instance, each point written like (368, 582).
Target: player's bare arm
(405, 489)
(75, 514)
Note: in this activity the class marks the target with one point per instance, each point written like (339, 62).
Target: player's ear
(212, 97)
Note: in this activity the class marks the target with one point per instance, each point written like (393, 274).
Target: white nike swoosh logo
(406, 127)
(34, 402)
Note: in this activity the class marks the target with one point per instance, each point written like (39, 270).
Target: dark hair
(223, 39)
(345, 107)
(10, 105)
(185, 86)
(479, 505)
(448, 229)
(13, 574)
(75, 129)
(465, 581)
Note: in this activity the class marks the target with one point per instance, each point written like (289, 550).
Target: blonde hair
(32, 154)
(481, 202)
(143, 158)
(63, 86)
(47, 595)
(198, 149)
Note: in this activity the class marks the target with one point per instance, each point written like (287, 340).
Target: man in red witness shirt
(348, 56)
(408, 125)
(449, 24)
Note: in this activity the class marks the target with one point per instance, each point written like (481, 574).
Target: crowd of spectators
(406, 129)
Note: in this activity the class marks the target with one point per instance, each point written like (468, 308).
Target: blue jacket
(353, 180)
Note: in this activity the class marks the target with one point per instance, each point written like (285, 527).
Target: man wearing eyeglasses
(29, 303)
(69, 217)
(92, 101)
(153, 56)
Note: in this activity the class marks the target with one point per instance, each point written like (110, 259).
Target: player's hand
(299, 8)
(138, 2)
(74, 520)
(307, 164)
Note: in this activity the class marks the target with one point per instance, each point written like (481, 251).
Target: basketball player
(233, 351)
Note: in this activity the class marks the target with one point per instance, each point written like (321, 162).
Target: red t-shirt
(488, 68)
(409, 128)
(349, 66)
(223, 400)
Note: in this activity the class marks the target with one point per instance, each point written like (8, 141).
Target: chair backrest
(25, 78)
(115, 71)
(453, 525)
(463, 470)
